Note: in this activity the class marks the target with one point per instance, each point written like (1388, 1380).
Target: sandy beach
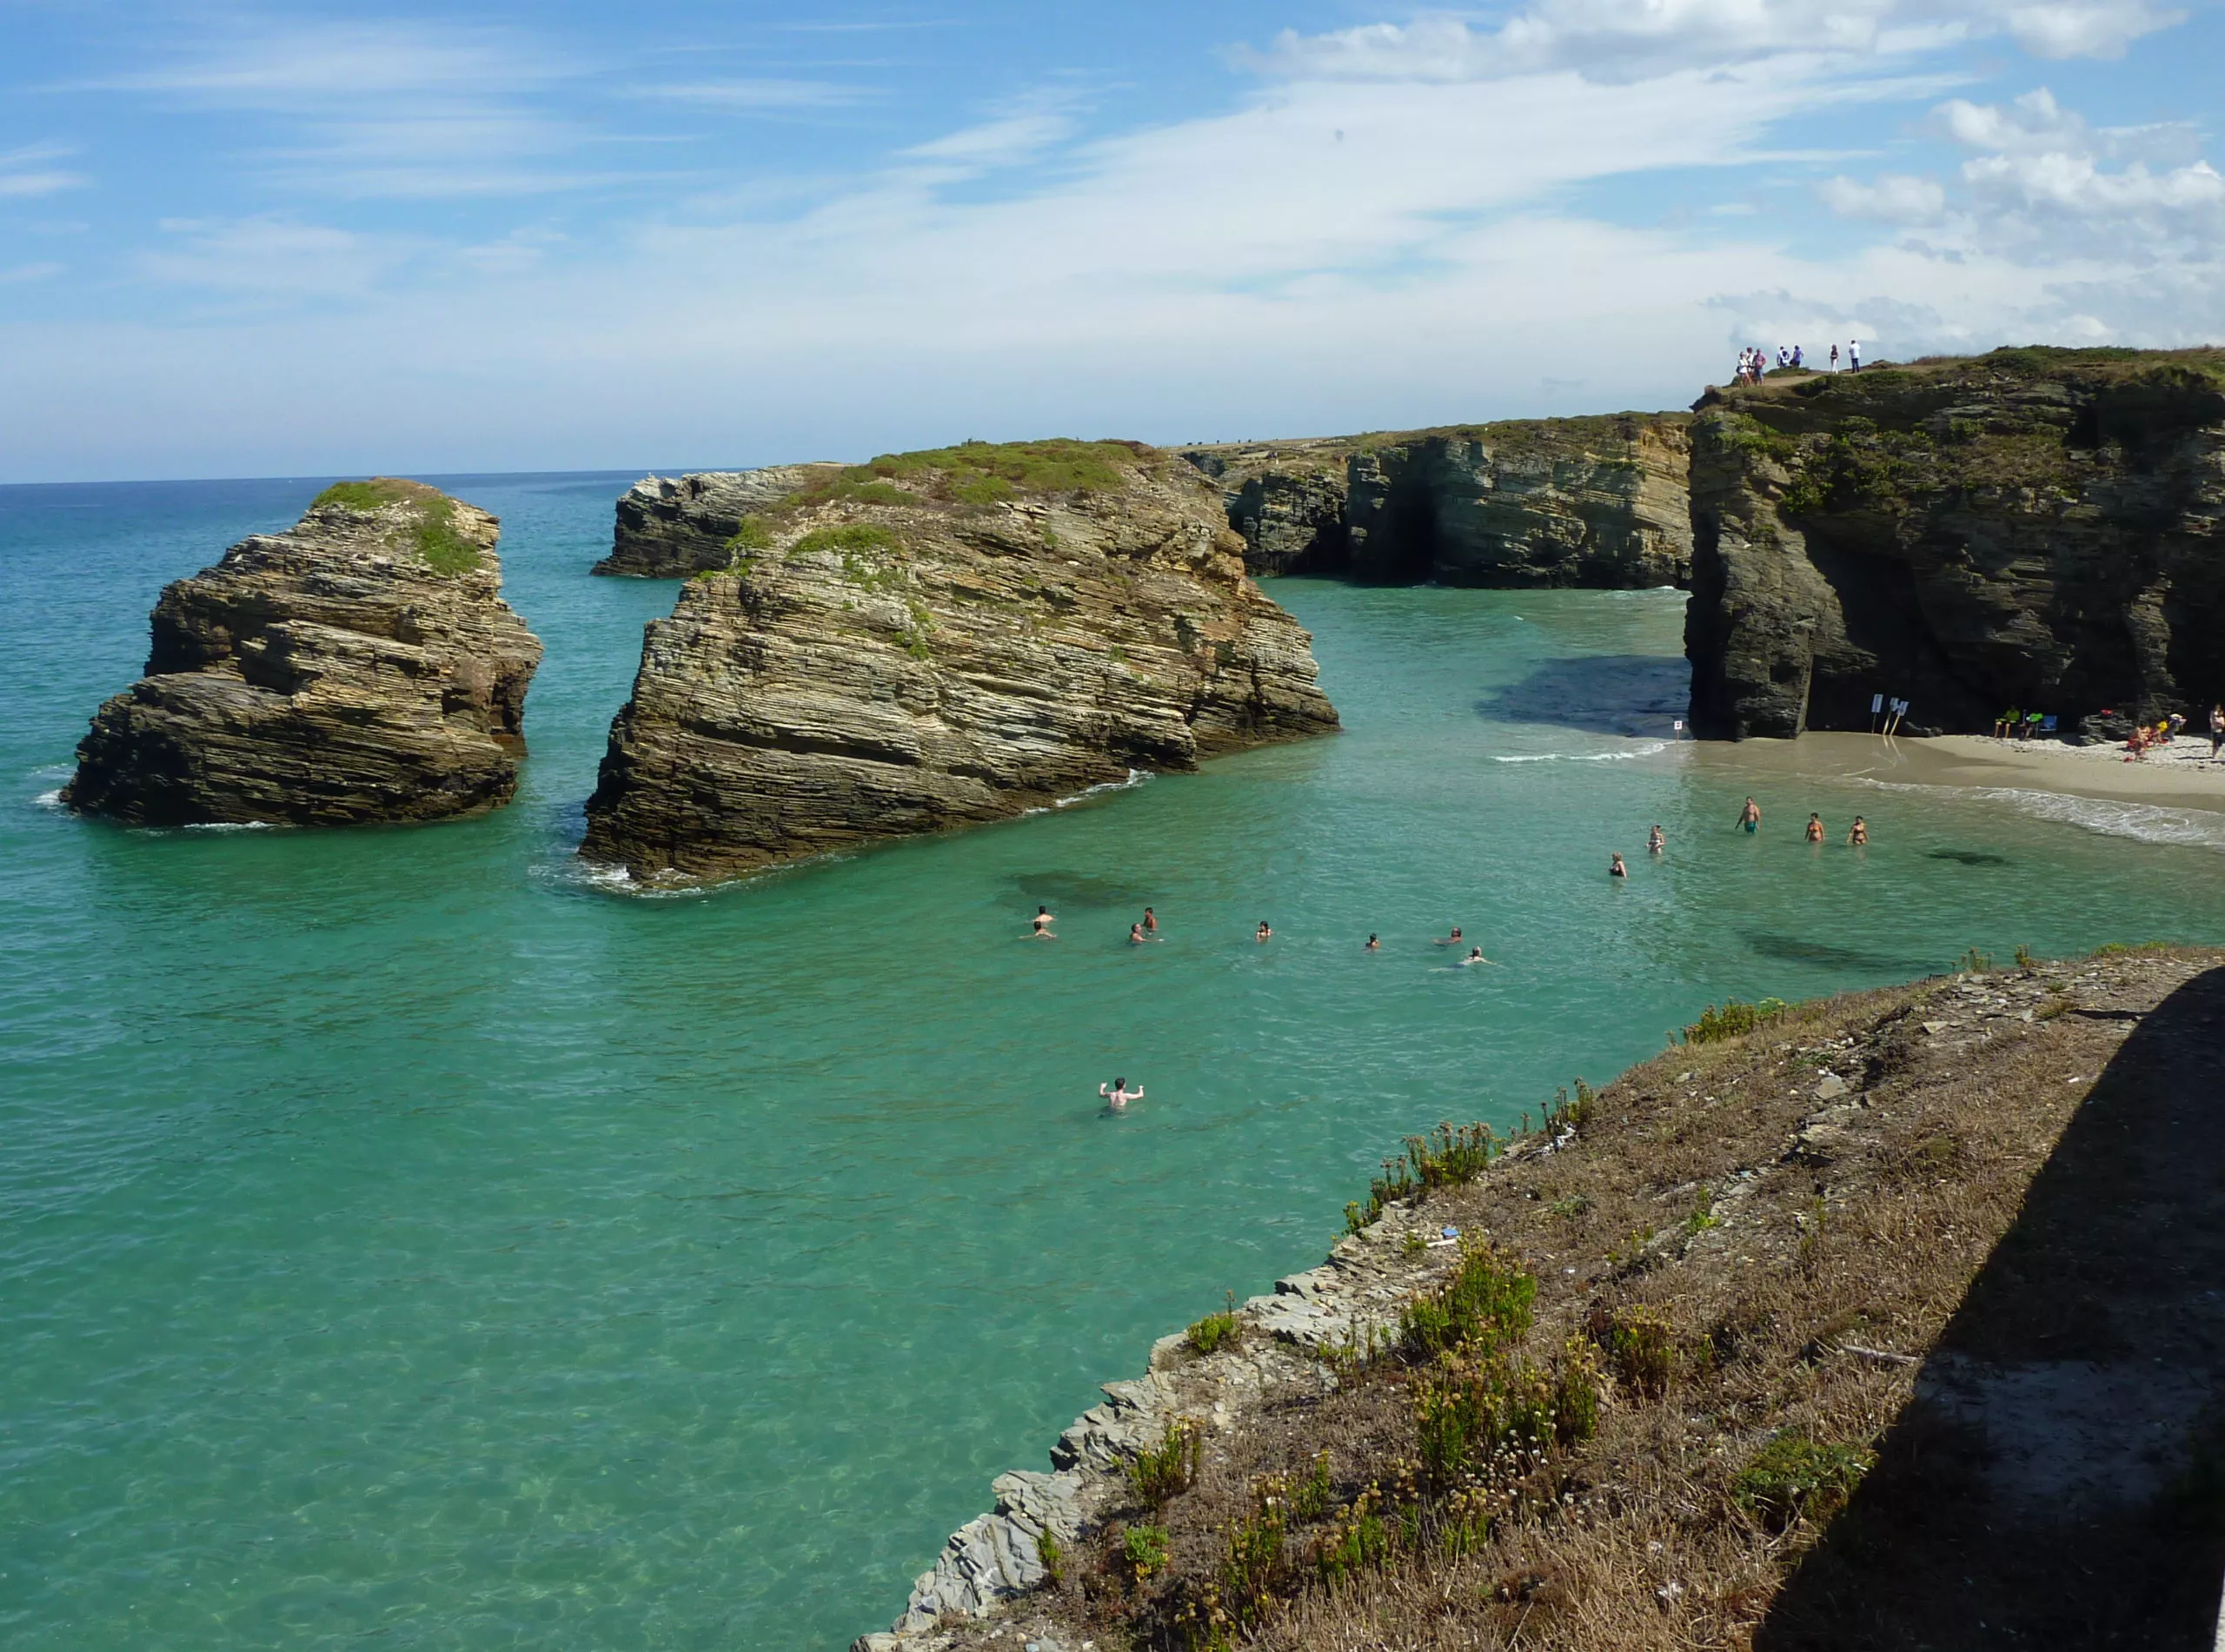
(2180, 776)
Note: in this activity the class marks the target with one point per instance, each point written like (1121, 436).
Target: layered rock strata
(938, 638)
(2035, 528)
(360, 666)
(670, 528)
(1596, 502)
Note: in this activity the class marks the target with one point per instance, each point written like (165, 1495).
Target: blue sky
(325, 238)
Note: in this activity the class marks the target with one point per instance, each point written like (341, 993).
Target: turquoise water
(404, 1239)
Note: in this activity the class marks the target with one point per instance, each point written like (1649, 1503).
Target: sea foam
(2108, 817)
(1651, 748)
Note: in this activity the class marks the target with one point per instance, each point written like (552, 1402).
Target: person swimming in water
(1859, 834)
(1475, 957)
(1751, 816)
(1150, 924)
(1264, 933)
(1616, 868)
(1118, 1095)
(1136, 936)
(1815, 828)
(1043, 922)
(1654, 841)
(1373, 946)
(1453, 940)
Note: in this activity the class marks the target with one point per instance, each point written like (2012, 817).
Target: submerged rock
(942, 638)
(2035, 528)
(1598, 502)
(360, 666)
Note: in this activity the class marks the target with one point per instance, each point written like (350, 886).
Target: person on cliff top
(1859, 834)
(1751, 816)
(1853, 355)
(1815, 828)
(1654, 841)
(1266, 934)
(1453, 940)
(1118, 1095)
(1151, 923)
(1834, 358)
(1616, 868)
(1043, 922)
(1373, 946)
(1796, 358)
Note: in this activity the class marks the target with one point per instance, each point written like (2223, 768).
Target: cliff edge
(937, 638)
(2033, 527)
(360, 666)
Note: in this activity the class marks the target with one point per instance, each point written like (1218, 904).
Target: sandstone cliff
(2034, 527)
(941, 638)
(1594, 502)
(670, 529)
(360, 666)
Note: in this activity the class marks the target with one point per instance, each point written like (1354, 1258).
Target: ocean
(407, 1237)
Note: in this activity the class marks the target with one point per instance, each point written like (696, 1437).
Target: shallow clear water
(401, 1237)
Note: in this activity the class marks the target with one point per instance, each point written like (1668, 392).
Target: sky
(325, 239)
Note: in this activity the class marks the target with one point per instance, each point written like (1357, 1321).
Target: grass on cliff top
(1666, 1401)
(977, 473)
(427, 523)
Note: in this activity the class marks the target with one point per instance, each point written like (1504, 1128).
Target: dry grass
(1757, 1242)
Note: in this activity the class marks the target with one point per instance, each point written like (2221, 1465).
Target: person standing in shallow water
(1751, 816)
(1859, 834)
(1616, 868)
(1654, 841)
(1151, 923)
(1264, 933)
(1043, 922)
(1815, 828)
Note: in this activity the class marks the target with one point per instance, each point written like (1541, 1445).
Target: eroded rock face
(360, 666)
(933, 641)
(670, 528)
(2037, 528)
(1596, 502)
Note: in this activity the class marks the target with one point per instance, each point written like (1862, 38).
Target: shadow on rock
(1641, 696)
(2059, 1479)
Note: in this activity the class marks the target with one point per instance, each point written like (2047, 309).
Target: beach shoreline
(2183, 775)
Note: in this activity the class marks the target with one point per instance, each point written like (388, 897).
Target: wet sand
(2182, 777)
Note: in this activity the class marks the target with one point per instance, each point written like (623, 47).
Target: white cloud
(1889, 199)
(25, 173)
(755, 93)
(2097, 30)
(267, 258)
(20, 274)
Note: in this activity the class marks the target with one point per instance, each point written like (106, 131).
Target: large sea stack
(360, 666)
(2038, 529)
(938, 638)
(1597, 502)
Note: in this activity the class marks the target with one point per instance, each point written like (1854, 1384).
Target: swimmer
(1815, 828)
(1264, 933)
(1859, 833)
(1118, 1095)
(1475, 957)
(1373, 946)
(1150, 924)
(1136, 936)
(1453, 940)
(1616, 868)
(1043, 922)
(1654, 841)
(1751, 816)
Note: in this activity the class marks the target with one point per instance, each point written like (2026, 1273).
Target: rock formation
(669, 529)
(2034, 527)
(360, 666)
(941, 638)
(1595, 502)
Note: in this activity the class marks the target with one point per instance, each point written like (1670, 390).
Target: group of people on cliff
(1753, 363)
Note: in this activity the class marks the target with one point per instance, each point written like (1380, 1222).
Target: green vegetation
(1160, 1471)
(1053, 1557)
(1642, 1348)
(755, 534)
(1794, 1476)
(1214, 1330)
(851, 537)
(979, 472)
(1484, 1305)
(1446, 1159)
(427, 522)
(1146, 1549)
(1495, 1419)
(1733, 1020)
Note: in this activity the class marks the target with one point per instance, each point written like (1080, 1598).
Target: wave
(50, 799)
(2105, 817)
(1651, 748)
(231, 825)
(1136, 777)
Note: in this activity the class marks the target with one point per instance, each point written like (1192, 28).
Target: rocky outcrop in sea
(937, 638)
(670, 527)
(2035, 528)
(360, 666)
(1596, 502)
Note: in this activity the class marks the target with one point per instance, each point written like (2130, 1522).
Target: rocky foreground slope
(934, 639)
(1593, 502)
(1883, 1321)
(2034, 527)
(360, 666)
